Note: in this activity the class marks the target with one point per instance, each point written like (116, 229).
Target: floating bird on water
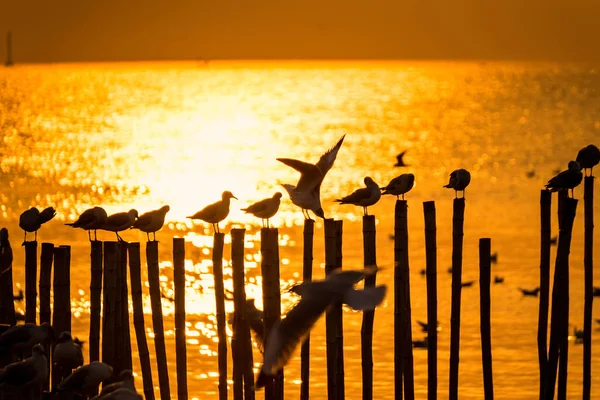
(420, 344)
(566, 180)
(21, 338)
(530, 292)
(32, 220)
(85, 379)
(400, 185)
(596, 291)
(265, 209)
(20, 296)
(151, 221)
(588, 158)
(553, 240)
(578, 334)
(90, 220)
(498, 279)
(459, 180)
(400, 161)
(119, 222)
(494, 258)
(24, 374)
(215, 212)
(124, 381)
(67, 354)
(307, 192)
(467, 284)
(316, 298)
(363, 197)
(425, 326)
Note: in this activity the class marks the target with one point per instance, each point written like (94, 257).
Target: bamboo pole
(485, 246)
(330, 323)
(30, 281)
(46, 259)
(542, 338)
(588, 262)
(138, 318)
(61, 317)
(95, 298)
(7, 304)
(157, 319)
(339, 335)
(431, 276)
(109, 292)
(180, 337)
(309, 230)
(366, 333)
(119, 328)
(127, 362)
(560, 302)
(217, 258)
(457, 250)
(563, 360)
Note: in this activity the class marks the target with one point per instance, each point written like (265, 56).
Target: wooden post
(61, 317)
(269, 249)
(309, 230)
(180, 336)
(30, 281)
(95, 298)
(588, 262)
(46, 259)
(485, 247)
(458, 219)
(157, 319)
(126, 360)
(118, 333)
(7, 304)
(111, 262)
(542, 338)
(217, 258)
(339, 334)
(402, 308)
(559, 329)
(138, 318)
(431, 276)
(366, 333)
(330, 322)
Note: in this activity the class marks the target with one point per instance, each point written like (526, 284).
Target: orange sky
(91, 30)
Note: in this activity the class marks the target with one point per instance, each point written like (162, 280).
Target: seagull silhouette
(265, 209)
(215, 212)
(151, 221)
(400, 161)
(91, 219)
(400, 185)
(363, 197)
(566, 180)
(588, 158)
(459, 180)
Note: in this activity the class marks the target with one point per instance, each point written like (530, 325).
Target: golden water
(146, 134)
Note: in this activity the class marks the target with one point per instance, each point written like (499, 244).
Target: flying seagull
(32, 220)
(400, 185)
(265, 209)
(530, 292)
(90, 220)
(215, 212)
(307, 192)
(363, 197)
(119, 222)
(316, 297)
(151, 221)
(588, 157)
(459, 180)
(400, 161)
(566, 180)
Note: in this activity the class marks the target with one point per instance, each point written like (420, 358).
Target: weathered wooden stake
(542, 338)
(30, 281)
(110, 294)
(458, 220)
(46, 259)
(180, 337)
(95, 298)
(339, 334)
(431, 276)
(61, 317)
(563, 360)
(309, 230)
(588, 262)
(7, 304)
(119, 348)
(330, 321)
(138, 318)
(366, 333)
(485, 247)
(157, 319)
(217, 258)
(126, 358)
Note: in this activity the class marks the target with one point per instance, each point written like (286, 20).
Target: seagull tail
(262, 379)
(72, 224)
(447, 186)
(365, 299)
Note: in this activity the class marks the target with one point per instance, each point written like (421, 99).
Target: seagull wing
(327, 159)
(85, 218)
(207, 212)
(257, 207)
(310, 176)
(365, 299)
(399, 158)
(76, 380)
(356, 196)
(118, 219)
(46, 215)
(144, 219)
(19, 373)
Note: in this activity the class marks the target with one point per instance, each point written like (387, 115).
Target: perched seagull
(316, 298)
(85, 379)
(215, 212)
(588, 157)
(265, 209)
(459, 180)
(307, 192)
(32, 220)
(498, 279)
(90, 220)
(566, 179)
(21, 338)
(119, 222)
(530, 292)
(26, 373)
(124, 381)
(151, 221)
(400, 185)
(400, 161)
(67, 354)
(363, 197)
(121, 394)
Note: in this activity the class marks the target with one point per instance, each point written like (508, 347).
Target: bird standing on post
(125, 381)
(307, 192)
(588, 157)
(400, 185)
(215, 212)
(119, 222)
(566, 180)
(91, 219)
(32, 220)
(363, 197)
(85, 379)
(67, 354)
(459, 180)
(21, 338)
(32, 371)
(151, 221)
(265, 209)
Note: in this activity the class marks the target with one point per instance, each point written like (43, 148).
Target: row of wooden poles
(116, 347)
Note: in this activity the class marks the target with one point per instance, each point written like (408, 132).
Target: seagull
(566, 179)
(26, 373)
(420, 344)
(494, 258)
(121, 394)
(459, 180)
(399, 185)
(119, 222)
(316, 298)
(588, 157)
(67, 354)
(400, 161)
(530, 292)
(91, 219)
(124, 381)
(20, 296)
(32, 220)
(554, 240)
(21, 338)
(85, 379)
(363, 197)
(215, 212)
(596, 291)
(424, 326)
(498, 279)
(530, 174)
(265, 209)
(151, 221)
(578, 333)
(254, 317)
(467, 284)
(307, 192)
